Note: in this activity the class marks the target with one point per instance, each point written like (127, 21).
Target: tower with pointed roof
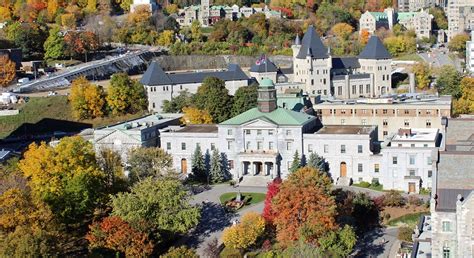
(375, 59)
(312, 63)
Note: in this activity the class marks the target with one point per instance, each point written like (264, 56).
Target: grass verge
(409, 57)
(248, 198)
(408, 219)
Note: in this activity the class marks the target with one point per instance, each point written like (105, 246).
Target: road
(440, 57)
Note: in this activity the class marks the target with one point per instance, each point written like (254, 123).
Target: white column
(252, 164)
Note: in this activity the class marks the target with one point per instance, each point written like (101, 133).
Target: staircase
(255, 180)
(343, 181)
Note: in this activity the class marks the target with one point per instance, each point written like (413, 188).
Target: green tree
(296, 163)
(449, 81)
(111, 163)
(149, 162)
(244, 99)
(214, 97)
(54, 45)
(216, 173)
(180, 252)
(458, 43)
(176, 104)
(338, 243)
(29, 37)
(126, 95)
(196, 33)
(198, 167)
(318, 162)
(159, 206)
(439, 21)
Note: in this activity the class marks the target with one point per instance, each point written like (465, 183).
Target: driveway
(380, 242)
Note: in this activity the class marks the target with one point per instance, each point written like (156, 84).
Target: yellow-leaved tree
(246, 233)
(194, 115)
(422, 75)
(7, 70)
(166, 38)
(87, 99)
(465, 104)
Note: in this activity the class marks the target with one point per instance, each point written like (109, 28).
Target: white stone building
(460, 15)
(162, 86)
(416, 5)
(470, 54)
(141, 132)
(369, 74)
(149, 4)
(418, 21)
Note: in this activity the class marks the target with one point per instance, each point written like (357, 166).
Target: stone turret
(267, 100)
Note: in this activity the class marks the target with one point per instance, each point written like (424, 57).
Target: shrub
(414, 200)
(379, 201)
(425, 191)
(364, 184)
(182, 251)
(229, 252)
(393, 199)
(375, 183)
(405, 233)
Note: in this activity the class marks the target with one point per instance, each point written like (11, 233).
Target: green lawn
(248, 198)
(409, 57)
(373, 187)
(408, 219)
(56, 108)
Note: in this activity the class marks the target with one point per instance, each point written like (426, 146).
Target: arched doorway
(184, 166)
(343, 169)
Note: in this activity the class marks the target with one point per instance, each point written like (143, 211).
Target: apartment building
(389, 114)
(460, 15)
(415, 5)
(470, 54)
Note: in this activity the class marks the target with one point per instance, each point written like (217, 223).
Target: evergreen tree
(316, 161)
(225, 167)
(296, 164)
(216, 173)
(198, 166)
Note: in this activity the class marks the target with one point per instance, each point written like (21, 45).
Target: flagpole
(265, 60)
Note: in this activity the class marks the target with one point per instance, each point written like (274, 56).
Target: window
(310, 147)
(213, 146)
(326, 148)
(429, 161)
(229, 131)
(354, 89)
(259, 132)
(361, 89)
(364, 121)
(367, 88)
(168, 145)
(412, 145)
(406, 123)
(385, 123)
(231, 164)
(288, 132)
(430, 173)
(428, 123)
(259, 145)
(359, 148)
(270, 145)
(229, 145)
(343, 121)
(425, 145)
(247, 145)
(183, 146)
(289, 145)
(446, 252)
(412, 159)
(385, 133)
(412, 172)
(376, 168)
(343, 148)
(384, 111)
(360, 167)
(446, 226)
(247, 131)
(270, 132)
(394, 160)
(339, 90)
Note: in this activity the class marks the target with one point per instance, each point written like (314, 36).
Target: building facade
(415, 5)
(161, 86)
(470, 54)
(460, 15)
(388, 114)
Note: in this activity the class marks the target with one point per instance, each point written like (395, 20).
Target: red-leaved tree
(273, 188)
(116, 234)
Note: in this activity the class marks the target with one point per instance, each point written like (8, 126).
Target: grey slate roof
(155, 75)
(345, 62)
(262, 68)
(374, 50)
(447, 198)
(312, 45)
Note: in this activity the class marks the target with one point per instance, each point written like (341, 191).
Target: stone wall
(196, 62)
(9, 112)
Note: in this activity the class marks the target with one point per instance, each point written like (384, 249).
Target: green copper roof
(266, 83)
(405, 16)
(279, 116)
(379, 15)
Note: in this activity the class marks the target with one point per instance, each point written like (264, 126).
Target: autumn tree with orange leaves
(81, 42)
(304, 207)
(116, 234)
(7, 70)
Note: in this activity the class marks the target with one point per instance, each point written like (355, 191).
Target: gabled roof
(375, 50)
(345, 62)
(279, 116)
(379, 15)
(312, 43)
(268, 66)
(154, 76)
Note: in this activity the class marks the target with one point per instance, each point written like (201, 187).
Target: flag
(261, 60)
